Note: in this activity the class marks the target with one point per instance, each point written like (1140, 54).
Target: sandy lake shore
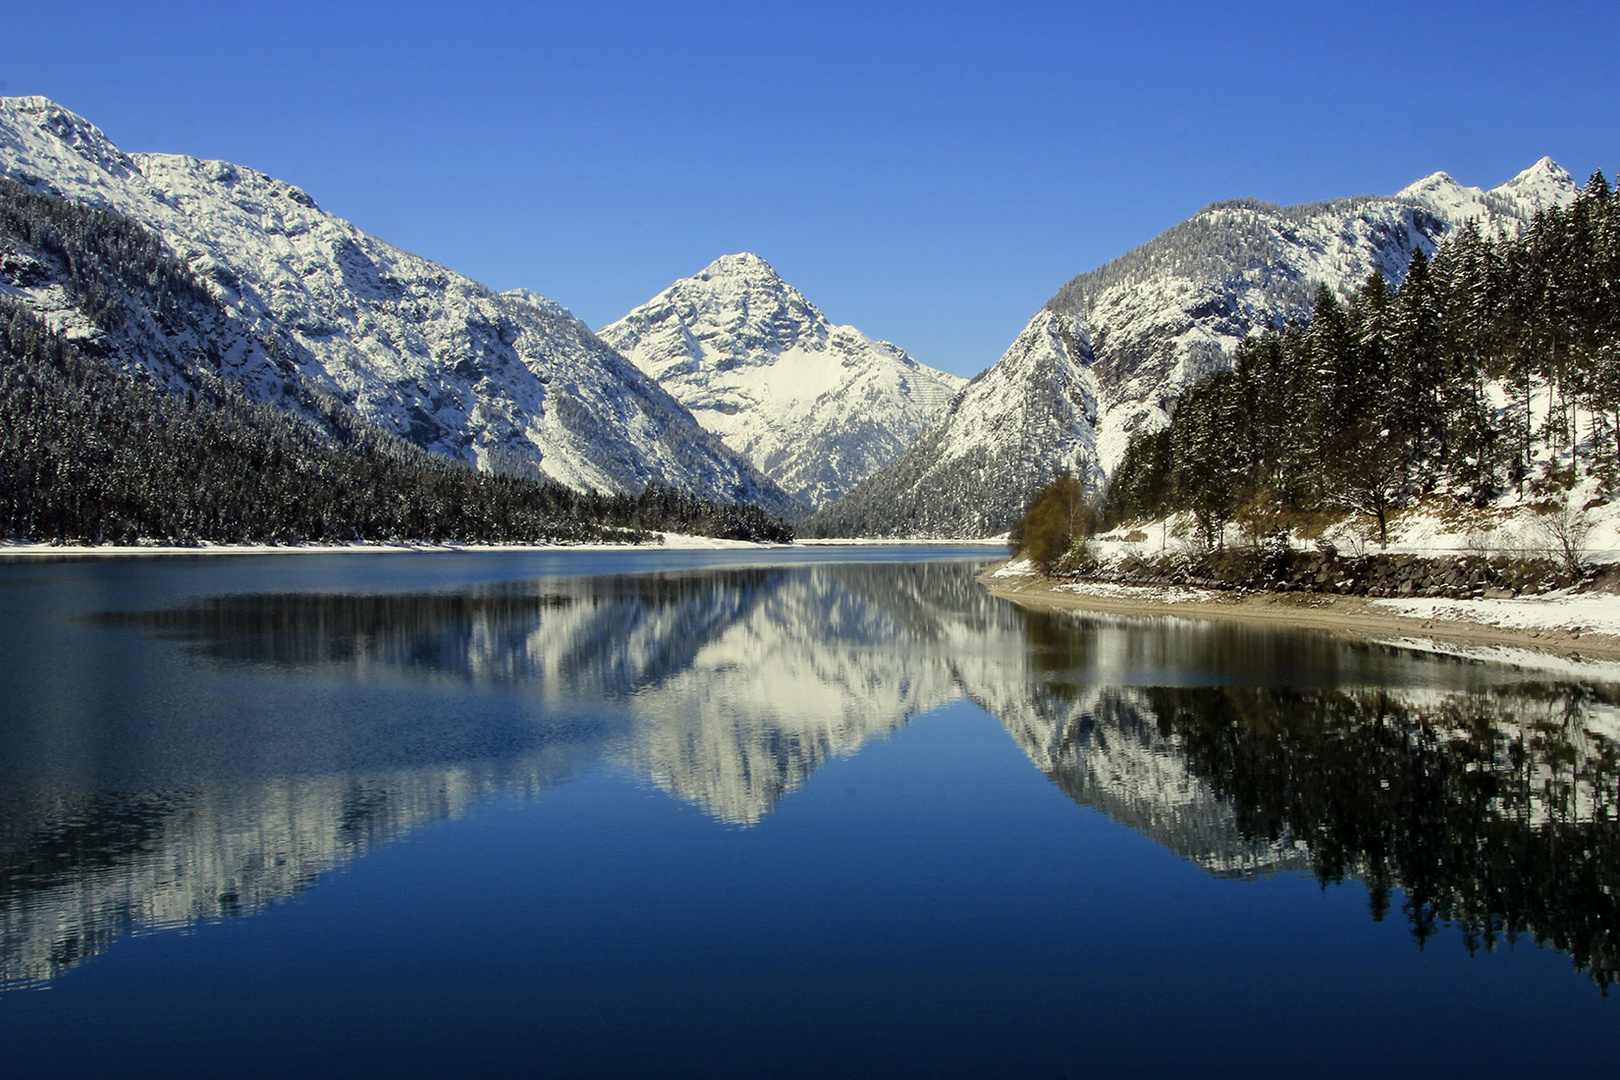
(1579, 628)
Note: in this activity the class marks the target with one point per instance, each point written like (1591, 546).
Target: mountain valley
(729, 385)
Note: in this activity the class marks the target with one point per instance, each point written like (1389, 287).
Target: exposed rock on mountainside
(509, 382)
(815, 407)
(1116, 347)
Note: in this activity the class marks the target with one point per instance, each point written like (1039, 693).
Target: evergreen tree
(1367, 406)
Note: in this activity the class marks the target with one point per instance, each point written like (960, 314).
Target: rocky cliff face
(1116, 347)
(815, 407)
(503, 381)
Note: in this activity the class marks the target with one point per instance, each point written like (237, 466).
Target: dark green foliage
(1368, 406)
(665, 509)
(1140, 486)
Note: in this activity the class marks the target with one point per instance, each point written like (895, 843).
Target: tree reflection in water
(1494, 811)
(1487, 797)
(1490, 798)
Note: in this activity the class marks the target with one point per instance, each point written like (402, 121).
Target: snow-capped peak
(815, 406)
(741, 264)
(73, 131)
(1543, 184)
(1440, 194)
(1507, 205)
(738, 307)
(1433, 183)
(549, 306)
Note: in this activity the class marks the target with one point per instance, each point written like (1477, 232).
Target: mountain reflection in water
(1487, 797)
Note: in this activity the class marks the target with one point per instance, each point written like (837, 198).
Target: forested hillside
(306, 303)
(1494, 366)
(116, 424)
(1114, 350)
(90, 455)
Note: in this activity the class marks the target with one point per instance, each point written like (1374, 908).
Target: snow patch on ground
(991, 542)
(1160, 594)
(1515, 526)
(1572, 612)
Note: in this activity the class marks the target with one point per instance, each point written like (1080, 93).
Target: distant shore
(669, 542)
(1581, 628)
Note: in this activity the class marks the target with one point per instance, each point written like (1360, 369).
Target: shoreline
(1482, 630)
(671, 542)
(22, 552)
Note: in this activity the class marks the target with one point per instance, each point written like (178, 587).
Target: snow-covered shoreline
(997, 542)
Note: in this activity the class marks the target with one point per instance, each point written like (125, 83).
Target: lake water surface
(804, 813)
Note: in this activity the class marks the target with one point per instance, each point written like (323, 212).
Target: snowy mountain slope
(814, 406)
(1261, 265)
(1115, 348)
(1006, 433)
(502, 381)
(161, 322)
(1506, 206)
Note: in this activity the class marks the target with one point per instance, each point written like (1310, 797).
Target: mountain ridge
(506, 382)
(1114, 348)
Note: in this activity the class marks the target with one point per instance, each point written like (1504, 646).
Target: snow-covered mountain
(506, 381)
(815, 407)
(1115, 348)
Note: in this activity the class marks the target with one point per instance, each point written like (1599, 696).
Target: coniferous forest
(93, 449)
(88, 455)
(1495, 366)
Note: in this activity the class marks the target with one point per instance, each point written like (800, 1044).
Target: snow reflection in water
(1491, 799)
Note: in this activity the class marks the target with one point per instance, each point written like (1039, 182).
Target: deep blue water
(811, 813)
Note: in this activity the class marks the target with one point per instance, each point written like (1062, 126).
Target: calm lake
(827, 812)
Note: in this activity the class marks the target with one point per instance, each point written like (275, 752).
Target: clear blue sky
(928, 173)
